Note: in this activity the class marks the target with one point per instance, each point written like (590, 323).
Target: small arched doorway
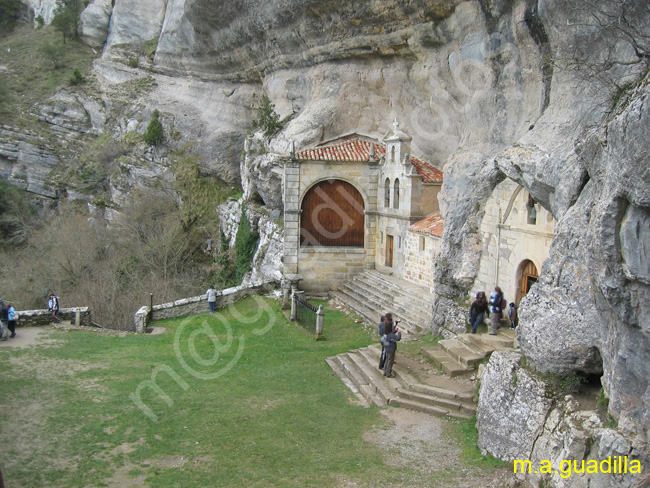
(527, 276)
(332, 214)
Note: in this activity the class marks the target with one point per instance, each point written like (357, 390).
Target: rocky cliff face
(489, 89)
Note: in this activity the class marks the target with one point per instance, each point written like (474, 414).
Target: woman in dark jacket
(391, 335)
(477, 311)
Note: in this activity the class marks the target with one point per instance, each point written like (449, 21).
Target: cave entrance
(527, 276)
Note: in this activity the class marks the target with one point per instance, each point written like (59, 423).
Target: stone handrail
(196, 304)
(29, 318)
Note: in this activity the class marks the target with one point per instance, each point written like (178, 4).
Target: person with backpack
(12, 316)
(53, 307)
(496, 309)
(478, 310)
(513, 315)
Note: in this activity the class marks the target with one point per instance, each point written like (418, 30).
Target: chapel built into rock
(355, 203)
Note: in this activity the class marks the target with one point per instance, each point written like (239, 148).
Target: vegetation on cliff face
(30, 75)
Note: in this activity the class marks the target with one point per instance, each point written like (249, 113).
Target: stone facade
(510, 239)
(397, 190)
(420, 252)
(323, 268)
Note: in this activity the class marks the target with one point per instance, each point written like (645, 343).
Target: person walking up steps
(211, 295)
(477, 311)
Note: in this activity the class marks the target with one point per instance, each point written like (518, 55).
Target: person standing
(513, 315)
(211, 295)
(390, 338)
(12, 316)
(382, 357)
(477, 311)
(53, 306)
(496, 309)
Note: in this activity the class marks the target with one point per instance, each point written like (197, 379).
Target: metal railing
(307, 315)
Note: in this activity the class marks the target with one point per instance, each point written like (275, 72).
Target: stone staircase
(371, 293)
(358, 370)
(461, 355)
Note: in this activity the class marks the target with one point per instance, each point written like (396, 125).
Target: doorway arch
(527, 276)
(332, 214)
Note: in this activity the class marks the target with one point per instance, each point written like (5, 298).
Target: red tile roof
(358, 150)
(432, 225)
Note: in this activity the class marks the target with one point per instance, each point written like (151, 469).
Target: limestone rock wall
(525, 419)
(267, 262)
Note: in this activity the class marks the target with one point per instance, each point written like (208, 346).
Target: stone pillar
(141, 320)
(294, 305)
(291, 216)
(77, 317)
(320, 320)
(285, 286)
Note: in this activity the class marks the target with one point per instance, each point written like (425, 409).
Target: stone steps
(370, 294)
(414, 313)
(359, 372)
(368, 307)
(462, 354)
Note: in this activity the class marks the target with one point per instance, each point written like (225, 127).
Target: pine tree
(66, 17)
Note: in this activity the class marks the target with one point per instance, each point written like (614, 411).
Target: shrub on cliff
(245, 246)
(154, 135)
(268, 120)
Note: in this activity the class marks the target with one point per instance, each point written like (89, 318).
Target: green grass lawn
(244, 398)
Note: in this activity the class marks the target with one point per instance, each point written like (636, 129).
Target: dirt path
(28, 336)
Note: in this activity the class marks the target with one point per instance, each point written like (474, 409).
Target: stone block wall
(30, 318)
(197, 304)
(509, 240)
(326, 268)
(418, 264)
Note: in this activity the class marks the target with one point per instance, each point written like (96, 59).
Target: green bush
(55, 53)
(268, 120)
(154, 134)
(77, 78)
(245, 246)
(133, 62)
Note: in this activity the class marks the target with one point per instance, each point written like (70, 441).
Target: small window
(387, 193)
(381, 238)
(531, 211)
(399, 242)
(396, 194)
(423, 244)
(392, 154)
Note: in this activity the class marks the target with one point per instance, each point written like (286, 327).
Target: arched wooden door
(528, 276)
(332, 215)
